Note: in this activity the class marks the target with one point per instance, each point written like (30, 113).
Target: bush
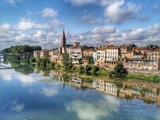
(119, 71)
(87, 69)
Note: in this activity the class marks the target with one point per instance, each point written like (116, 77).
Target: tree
(81, 69)
(95, 69)
(32, 60)
(119, 71)
(67, 62)
(90, 60)
(87, 69)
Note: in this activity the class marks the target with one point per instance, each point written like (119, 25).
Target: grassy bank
(143, 77)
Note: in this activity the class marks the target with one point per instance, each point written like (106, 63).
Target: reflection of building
(56, 74)
(106, 87)
(75, 82)
(111, 89)
(158, 100)
(44, 73)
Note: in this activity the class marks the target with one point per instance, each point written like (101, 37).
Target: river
(39, 95)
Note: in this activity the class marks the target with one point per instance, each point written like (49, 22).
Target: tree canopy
(119, 71)
(67, 61)
(21, 49)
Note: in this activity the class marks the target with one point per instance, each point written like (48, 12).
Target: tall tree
(119, 71)
(67, 61)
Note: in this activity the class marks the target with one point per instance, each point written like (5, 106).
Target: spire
(63, 40)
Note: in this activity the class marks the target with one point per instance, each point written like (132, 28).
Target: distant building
(112, 55)
(36, 54)
(44, 53)
(101, 57)
(75, 53)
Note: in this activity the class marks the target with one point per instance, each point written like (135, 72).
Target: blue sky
(90, 22)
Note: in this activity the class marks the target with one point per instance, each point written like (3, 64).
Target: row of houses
(132, 56)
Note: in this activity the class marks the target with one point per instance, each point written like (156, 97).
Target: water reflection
(62, 96)
(146, 91)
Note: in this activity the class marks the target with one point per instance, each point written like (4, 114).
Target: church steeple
(63, 40)
(63, 43)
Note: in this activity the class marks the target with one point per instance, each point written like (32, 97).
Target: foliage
(81, 69)
(143, 77)
(21, 49)
(90, 60)
(80, 61)
(67, 62)
(119, 71)
(32, 60)
(87, 69)
(95, 69)
(43, 62)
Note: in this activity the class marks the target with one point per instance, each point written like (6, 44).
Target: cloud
(49, 92)
(100, 35)
(104, 30)
(118, 12)
(12, 2)
(27, 24)
(81, 2)
(17, 107)
(94, 111)
(49, 12)
(85, 111)
(24, 79)
(5, 26)
(88, 19)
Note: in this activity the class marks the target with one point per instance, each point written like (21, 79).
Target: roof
(140, 48)
(156, 49)
(113, 47)
(46, 50)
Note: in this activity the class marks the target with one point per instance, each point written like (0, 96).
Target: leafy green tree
(67, 62)
(90, 60)
(87, 69)
(119, 71)
(43, 63)
(32, 60)
(81, 69)
(80, 61)
(95, 69)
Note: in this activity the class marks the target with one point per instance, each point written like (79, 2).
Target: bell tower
(63, 43)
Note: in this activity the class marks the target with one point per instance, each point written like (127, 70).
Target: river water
(56, 96)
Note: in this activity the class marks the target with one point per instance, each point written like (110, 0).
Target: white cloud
(17, 107)
(5, 26)
(81, 2)
(118, 11)
(12, 2)
(104, 30)
(92, 111)
(49, 92)
(85, 111)
(49, 12)
(88, 19)
(25, 25)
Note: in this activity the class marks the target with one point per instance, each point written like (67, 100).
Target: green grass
(143, 77)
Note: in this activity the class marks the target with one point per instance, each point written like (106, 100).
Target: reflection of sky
(31, 97)
(96, 111)
(9, 75)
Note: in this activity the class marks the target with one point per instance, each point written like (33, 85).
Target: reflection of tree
(18, 65)
(22, 68)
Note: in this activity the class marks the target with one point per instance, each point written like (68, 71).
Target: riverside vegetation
(44, 63)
